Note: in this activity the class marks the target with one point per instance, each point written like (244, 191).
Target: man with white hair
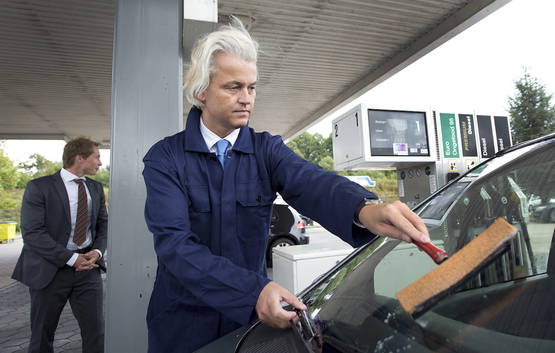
(210, 190)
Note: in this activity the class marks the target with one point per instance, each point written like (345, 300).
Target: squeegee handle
(433, 251)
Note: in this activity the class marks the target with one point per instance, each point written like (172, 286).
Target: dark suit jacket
(46, 227)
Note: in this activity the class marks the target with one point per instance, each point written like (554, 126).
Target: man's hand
(394, 220)
(269, 309)
(86, 261)
(92, 255)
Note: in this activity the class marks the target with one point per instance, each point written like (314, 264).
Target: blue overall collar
(195, 143)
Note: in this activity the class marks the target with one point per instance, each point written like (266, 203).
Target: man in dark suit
(64, 228)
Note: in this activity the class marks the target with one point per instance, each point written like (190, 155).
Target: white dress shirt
(72, 193)
(211, 138)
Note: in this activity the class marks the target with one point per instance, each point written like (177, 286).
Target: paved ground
(9, 252)
(14, 303)
(14, 310)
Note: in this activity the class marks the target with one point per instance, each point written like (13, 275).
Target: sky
(473, 72)
(476, 70)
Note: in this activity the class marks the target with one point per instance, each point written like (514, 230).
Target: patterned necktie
(82, 221)
(221, 148)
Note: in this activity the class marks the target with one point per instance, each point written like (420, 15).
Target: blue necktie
(221, 148)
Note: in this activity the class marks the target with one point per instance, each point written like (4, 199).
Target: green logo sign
(449, 135)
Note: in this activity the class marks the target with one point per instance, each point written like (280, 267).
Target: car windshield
(507, 307)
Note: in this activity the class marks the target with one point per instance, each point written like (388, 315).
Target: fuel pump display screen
(398, 133)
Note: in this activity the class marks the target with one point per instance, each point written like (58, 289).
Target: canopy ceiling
(316, 55)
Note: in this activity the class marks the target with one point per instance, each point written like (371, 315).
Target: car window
(506, 307)
(504, 193)
(438, 206)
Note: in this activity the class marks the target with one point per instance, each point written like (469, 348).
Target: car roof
(526, 143)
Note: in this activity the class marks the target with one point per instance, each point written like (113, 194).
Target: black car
(287, 228)
(507, 307)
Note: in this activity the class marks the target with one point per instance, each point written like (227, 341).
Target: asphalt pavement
(15, 329)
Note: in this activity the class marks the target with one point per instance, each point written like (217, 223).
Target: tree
(103, 176)
(326, 163)
(318, 150)
(10, 198)
(386, 182)
(9, 176)
(38, 166)
(314, 148)
(531, 110)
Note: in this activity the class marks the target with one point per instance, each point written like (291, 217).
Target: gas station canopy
(316, 56)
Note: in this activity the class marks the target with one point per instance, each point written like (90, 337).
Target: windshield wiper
(307, 327)
(308, 331)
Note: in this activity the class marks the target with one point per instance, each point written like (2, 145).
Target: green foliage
(314, 148)
(386, 182)
(9, 176)
(10, 204)
(23, 180)
(531, 110)
(318, 150)
(10, 195)
(38, 166)
(103, 176)
(327, 163)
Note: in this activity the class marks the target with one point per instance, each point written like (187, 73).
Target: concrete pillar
(146, 106)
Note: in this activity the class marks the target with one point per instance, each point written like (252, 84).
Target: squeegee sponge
(420, 295)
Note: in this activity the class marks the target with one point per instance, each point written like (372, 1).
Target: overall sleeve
(33, 228)
(213, 280)
(326, 197)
